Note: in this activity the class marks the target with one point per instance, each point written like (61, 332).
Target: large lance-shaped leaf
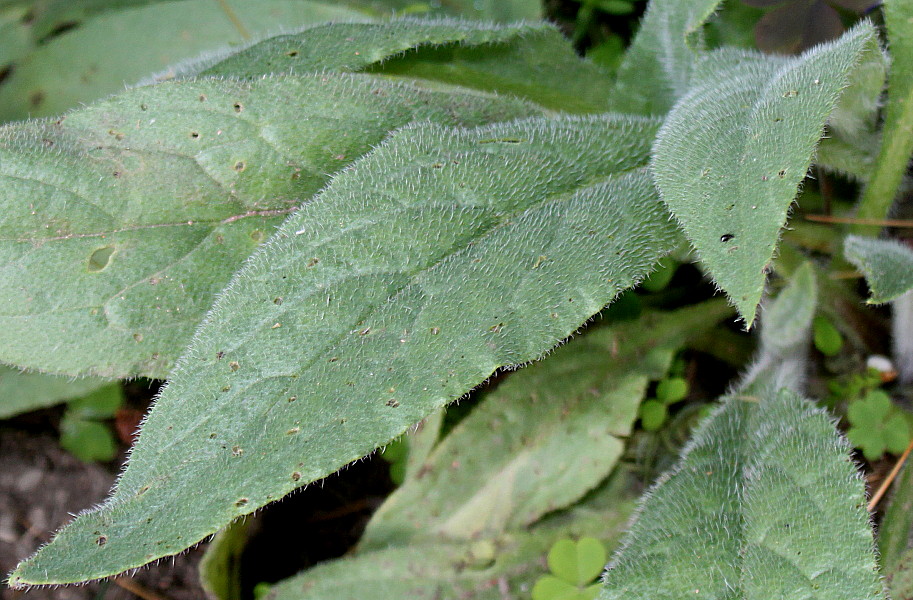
(730, 156)
(658, 66)
(437, 259)
(530, 60)
(517, 456)
(121, 221)
(504, 566)
(21, 392)
(118, 48)
(886, 264)
(765, 503)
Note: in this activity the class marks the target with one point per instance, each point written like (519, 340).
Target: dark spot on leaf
(202, 97)
(296, 476)
(138, 337)
(5, 72)
(101, 540)
(240, 166)
(100, 259)
(277, 301)
(241, 502)
(194, 135)
(292, 53)
(238, 107)
(781, 173)
(36, 98)
(726, 237)
(234, 365)
(220, 355)
(392, 403)
(237, 451)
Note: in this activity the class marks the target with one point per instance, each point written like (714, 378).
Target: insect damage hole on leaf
(100, 258)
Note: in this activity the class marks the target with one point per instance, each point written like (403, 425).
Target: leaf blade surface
(352, 323)
(732, 153)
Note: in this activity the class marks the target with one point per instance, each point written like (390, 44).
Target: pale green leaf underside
(352, 323)
(765, 503)
(118, 48)
(21, 392)
(895, 545)
(785, 335)
(886, 264)
(121, 222)
(517, 455)
(529, 60)
(732, 153)
(658, 66)
(464, 570)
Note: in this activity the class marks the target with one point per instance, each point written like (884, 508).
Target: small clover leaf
(672, 390)
(574, 565)
(827, 338)
(653, 414)
(877, 425)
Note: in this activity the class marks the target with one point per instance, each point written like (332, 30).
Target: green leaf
(672, 390)
(352, 324)
(529, 60)
(220, 568)
(120, 47)
(658, 67)
(87, 440)
(733, 151)
(886, 264)
(765, 503)
(136, 258)
(22, 392)
(577, 563)
(897, 139)
(877, 425)
(550, 587)
(99, 404)
(827, 337)
(653, 415)
(580, 401)
(445, 570)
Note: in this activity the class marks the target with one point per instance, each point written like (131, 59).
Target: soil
(42, 486)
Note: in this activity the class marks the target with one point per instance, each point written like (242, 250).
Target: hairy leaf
(21, 392)
(765, 503)
(121, 221)
(732, 153)
(493, 568)
(886, 264)
(118, 48)
(659, 64)
(353, 324)
(578, 402)
(533, 61)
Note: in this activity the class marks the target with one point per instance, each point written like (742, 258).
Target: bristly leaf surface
(732, 153)
(353, 323)
(120, 222)
(886, 264)
(765, 503)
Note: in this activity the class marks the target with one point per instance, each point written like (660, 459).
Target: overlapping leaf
(578, 402)
(732, 153)
(765, 503)
(121, 221)
(353, 323)
(118, 48)
(531, 60)
(886, 264)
